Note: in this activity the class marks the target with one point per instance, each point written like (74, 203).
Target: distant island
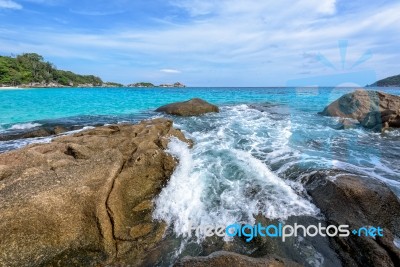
(30, 70)
(141, 84)
(147, 84)
(393, 81)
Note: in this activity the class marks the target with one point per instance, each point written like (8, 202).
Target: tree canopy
(32, 68)
(393, 81)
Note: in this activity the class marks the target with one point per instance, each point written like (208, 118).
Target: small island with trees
(30, 70)
(392, 81)
(147, 85)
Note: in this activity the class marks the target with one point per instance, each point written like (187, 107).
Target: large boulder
(358, 202)
(85, 199)
(373, 109)
(193, 107)
(224, 258)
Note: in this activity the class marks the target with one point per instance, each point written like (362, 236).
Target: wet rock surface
(193, 107)
(223, 258)
(85, 199)
(41, 131)
(373, 109)
(358, 202)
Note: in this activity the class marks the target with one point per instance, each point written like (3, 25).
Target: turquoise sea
(256, 118)
(23, 106)
(247, 159)
(280, 126)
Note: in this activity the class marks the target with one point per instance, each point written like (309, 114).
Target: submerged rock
(306, 250)
(193, 107)
(347, 124)
(41, 131)
(358, 202)
(373, 109)
(224, 258)
(85, 199)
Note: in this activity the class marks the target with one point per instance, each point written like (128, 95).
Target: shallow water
(24, 106)
(249, 159)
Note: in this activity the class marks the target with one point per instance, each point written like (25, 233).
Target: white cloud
(327, 6)
(8, 4)
(170, 71)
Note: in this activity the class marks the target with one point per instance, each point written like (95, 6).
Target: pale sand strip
(11, 88)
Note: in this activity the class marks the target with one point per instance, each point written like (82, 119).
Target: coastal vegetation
(31, 70)
(177, 84)
(392, 81)
(141, 84)
(112, 84)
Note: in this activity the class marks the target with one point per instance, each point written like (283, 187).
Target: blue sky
(208, 43)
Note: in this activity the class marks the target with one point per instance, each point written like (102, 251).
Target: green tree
(31, 67)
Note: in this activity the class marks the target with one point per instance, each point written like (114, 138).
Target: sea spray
(24, 126)
(181, 199)
(216, 183)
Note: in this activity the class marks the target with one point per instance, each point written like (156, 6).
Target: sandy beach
(11, 88)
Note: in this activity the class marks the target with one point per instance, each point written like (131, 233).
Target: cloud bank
(221, 43)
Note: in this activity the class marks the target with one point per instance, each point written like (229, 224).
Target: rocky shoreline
(87, 199)
(57, 85)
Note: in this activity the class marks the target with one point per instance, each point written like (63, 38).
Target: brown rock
(373, 109)
(193, 107)
(381, 120)
(141, 230)
(85, 199)
(41, 131)
(60, 129)
(224, 258)
(358, 202)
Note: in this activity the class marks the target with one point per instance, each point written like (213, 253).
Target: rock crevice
(74, 201)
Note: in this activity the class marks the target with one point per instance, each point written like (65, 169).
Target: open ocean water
(247, 159)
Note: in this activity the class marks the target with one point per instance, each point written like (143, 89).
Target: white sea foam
(248, 161)
(19, 143)
(77, 131)
(15, 144)
(224, 178)
(24, 126)
(393, 133)
(201, 191)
